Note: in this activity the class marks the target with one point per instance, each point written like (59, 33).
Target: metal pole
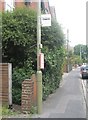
(39, 73)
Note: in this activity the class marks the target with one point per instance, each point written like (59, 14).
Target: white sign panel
(45, 20)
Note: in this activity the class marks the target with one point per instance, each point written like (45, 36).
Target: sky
(71, 14)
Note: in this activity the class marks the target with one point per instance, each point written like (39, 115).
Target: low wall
(6, 83)
(29, 96)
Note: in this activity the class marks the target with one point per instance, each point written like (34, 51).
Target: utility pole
(39, 73)
(67, 50)
(80, 52)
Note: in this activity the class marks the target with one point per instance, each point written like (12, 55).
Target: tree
(77, 49)
(81, 51)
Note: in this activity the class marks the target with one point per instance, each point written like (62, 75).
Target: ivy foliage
(19, 43)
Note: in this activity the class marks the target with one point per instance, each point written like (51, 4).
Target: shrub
(19, 42)
(19, 74)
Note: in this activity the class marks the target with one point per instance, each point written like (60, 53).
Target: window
(27, 2)
(9, 5)
(43, 7)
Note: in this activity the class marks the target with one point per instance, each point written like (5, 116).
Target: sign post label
(45, 20)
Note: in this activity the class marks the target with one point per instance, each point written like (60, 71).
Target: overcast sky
(71, 14)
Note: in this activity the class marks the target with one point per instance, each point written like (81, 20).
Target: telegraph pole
(39, 73)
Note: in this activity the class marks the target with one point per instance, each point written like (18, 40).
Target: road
(68, 101)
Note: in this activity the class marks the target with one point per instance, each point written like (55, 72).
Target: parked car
(84, 71)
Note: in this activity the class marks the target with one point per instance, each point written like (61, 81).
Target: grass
(4, 111)
(33, 110)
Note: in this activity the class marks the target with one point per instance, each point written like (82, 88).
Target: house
(53, 12)
(9, 5)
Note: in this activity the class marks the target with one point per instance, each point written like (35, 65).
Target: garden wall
(6, 83)
(29, 96)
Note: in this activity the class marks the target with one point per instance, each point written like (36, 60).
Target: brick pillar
(27, 95)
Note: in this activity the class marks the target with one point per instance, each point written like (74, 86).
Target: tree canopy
(81, 50)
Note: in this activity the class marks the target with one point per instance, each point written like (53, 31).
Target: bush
(19, 37)
(53, 71)
(19, 42)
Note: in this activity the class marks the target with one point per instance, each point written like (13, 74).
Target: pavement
(44, 114)
(67, 102)
(50, 101)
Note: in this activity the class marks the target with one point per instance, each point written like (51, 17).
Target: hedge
(19, 43)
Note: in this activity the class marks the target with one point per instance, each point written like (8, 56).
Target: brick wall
(2, 5)
(20, 3)
(29, 95)
(33, 5)
(6, 84)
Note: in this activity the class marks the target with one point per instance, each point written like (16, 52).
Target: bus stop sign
(45, 20)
